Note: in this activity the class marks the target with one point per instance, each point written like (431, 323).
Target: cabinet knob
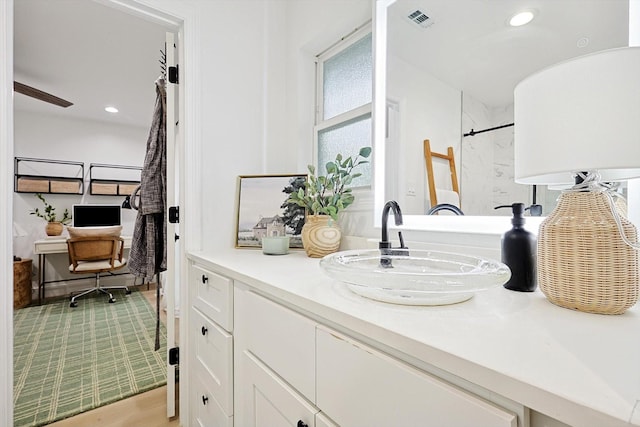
(302, 424)
(205, 399)
(204, 330)
(205, 279)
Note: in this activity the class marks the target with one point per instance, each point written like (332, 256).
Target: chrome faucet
(385, 244)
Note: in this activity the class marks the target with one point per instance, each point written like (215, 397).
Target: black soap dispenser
(519, 252)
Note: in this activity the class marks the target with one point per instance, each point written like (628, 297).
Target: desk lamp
(581, 119)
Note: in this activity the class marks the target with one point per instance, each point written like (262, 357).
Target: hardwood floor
(143, 410)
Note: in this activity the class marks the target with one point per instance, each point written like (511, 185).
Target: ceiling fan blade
(38, 94)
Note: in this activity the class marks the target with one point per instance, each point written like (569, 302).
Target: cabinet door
(359, 386)
(205, 410)
(213, 295)
(283, 340)
(323, 421)
(213, 351)
(267, 401)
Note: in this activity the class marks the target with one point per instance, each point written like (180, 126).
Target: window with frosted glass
(346, 138)
(347, 79)
(345, 89)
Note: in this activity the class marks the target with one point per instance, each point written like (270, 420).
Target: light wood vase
(54, 228)
(583, 263)
(320, 236)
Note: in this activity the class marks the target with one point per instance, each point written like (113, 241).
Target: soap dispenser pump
(519, 252)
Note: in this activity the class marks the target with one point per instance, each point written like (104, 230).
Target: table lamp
(581, 118)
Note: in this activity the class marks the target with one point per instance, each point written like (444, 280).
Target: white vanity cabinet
(293, 371)
(211, 355)
(266, 400)
(283, 345)
(360, 386)
(274, 363)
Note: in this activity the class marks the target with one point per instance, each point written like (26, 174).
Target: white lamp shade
(579, 115)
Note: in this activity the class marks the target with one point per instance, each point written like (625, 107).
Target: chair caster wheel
(112, 300)
(73, 304)
(128, 292)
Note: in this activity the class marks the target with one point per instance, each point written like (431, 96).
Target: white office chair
(96, 254)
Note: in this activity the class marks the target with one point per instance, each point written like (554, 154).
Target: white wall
(311, 27)
(487, 161)
(234, 112)
(57, 137)
(256, 76)
(429, 109)
(477, 158)
(6, 179)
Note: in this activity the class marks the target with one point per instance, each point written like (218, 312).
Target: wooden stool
(21, 283)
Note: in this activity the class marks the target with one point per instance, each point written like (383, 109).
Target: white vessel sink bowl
(420, 278)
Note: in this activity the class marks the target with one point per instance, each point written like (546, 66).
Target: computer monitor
(96, 215)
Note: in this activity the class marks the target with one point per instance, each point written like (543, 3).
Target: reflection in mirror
(452, 69)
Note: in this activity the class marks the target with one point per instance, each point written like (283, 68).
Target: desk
(55, 245)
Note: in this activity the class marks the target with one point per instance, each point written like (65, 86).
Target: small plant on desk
(54, 225)
(49, 212)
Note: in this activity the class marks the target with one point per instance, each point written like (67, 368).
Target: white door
(268, 401)
(173, 261)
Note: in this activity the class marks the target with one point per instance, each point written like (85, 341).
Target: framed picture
(263, 211)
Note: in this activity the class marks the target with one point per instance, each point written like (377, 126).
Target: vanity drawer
(205, 410)
(280, 338)
(214, 354)
(213, 295)
(392, 393)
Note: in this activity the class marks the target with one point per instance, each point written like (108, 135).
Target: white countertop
(582, 369)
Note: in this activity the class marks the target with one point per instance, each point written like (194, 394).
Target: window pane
(347, 139)
(347, 79)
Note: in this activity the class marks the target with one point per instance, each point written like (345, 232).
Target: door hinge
(174, 214)
(174, 356)
(174, 74)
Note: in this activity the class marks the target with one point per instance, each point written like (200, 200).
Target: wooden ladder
(428, 157)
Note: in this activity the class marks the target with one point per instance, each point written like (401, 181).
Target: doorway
(117, 24)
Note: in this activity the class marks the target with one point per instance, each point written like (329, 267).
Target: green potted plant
(324, 197)
(54, 223)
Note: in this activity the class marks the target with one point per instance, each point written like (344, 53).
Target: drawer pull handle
(204, 331)
(204, 400)
(302, 424)
(205, 279)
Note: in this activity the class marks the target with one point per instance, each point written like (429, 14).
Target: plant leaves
(365, 152)
(331, 167)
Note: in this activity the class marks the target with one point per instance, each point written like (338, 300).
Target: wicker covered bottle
(602, 275)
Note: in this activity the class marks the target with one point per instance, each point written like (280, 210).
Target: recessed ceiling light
(111, 109)
(521, 18)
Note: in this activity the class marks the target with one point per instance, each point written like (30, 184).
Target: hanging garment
(148, 254)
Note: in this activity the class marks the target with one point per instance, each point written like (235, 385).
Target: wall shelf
(113, 180)
(48, 176)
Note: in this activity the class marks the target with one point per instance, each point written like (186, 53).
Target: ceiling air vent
(420, 18)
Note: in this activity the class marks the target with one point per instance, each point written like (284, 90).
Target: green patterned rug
(69, 360)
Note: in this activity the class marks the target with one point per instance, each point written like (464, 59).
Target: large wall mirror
(446, 67)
